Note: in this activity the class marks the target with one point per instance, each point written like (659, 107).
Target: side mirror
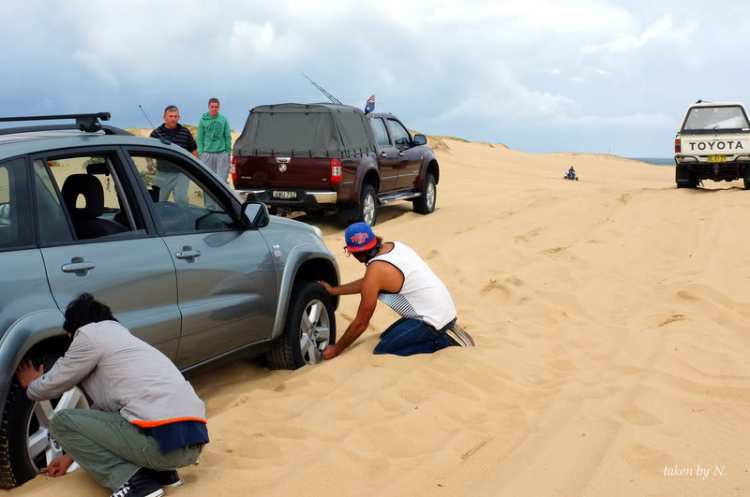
(420, 140)
(254, 215)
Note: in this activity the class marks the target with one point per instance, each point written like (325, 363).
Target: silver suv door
(23, 281)
(94, 238)
(226, 283)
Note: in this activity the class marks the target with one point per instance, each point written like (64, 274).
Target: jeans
(110, 448)
(412, 336)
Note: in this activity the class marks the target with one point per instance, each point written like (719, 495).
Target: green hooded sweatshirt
(214, 136)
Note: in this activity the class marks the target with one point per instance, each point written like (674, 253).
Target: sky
(594, 76)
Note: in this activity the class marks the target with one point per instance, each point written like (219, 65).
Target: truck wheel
(747, 183)
(684, 177)
(309, 328)
(425, 203)
(25, 446)
(368, 205)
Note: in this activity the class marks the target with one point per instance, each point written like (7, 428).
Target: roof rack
(88, 123)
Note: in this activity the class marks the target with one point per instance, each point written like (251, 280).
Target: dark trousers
(412, 336)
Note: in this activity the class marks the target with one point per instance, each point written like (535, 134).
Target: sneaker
(459, 336)
(168, 479)
(141, 484)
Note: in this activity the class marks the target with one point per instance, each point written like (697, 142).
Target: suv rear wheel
(25, 445)
(368, 205)
(684, 177)
(309, 328)
(425, 203)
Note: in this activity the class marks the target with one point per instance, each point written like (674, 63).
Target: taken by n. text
(702, 472)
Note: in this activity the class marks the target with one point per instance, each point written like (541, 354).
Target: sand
(612, 327)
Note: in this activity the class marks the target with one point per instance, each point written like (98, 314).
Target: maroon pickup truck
(296, 157)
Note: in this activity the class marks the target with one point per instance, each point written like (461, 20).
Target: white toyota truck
(713, 143)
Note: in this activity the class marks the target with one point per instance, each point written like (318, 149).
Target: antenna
(162, 138)
(323, 91)
(144, 115)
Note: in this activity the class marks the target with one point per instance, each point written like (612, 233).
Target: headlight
(318, 232)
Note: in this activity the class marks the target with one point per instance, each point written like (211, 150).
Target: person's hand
(58, 467)
(325, 285)
(330, 352)
(26, 373)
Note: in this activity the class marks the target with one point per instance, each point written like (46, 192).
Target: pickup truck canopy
(299, 130)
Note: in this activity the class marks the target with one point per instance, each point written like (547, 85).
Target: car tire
(21, 425)
(684, 177)
(310, 326)
(368, 205)
(425, 203)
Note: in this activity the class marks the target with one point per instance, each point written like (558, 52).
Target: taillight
(337, 172)
(677, 146)
(233, 168)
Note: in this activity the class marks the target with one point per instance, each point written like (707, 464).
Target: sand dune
(613, 331)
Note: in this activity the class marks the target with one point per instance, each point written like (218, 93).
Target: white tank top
(422, 296)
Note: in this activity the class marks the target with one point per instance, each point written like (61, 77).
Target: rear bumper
(305, 199)
(717, 171)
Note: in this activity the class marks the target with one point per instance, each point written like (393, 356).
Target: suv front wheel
(310, 326)
(25, 444)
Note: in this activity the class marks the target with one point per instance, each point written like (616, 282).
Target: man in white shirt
(397, 276)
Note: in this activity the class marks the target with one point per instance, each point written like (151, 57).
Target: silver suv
(182, 261)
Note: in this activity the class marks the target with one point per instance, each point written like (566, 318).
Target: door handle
(78, 266)
(400, 153)
(383, 154)
(188, 253)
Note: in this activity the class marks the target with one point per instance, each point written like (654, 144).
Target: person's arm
(370, 289)
(80, 359)
(192, 146)
(200, 137)
(228, 136)
(348, 289)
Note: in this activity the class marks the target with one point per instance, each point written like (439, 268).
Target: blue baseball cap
(359, 237)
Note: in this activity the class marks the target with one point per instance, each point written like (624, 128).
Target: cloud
(663, 29)
(96, 66)
(460, 67)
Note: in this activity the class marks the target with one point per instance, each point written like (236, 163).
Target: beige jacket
(124, 374)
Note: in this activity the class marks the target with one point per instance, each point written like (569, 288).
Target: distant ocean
(668, 161)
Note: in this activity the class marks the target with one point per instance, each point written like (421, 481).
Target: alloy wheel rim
(431, 196)
(368, 209)
(315, 331)
(40, 446)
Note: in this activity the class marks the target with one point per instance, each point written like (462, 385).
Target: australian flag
(370, 105)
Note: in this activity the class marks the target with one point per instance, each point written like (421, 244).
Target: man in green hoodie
(215, 140)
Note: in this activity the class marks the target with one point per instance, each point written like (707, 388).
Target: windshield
(715, 118)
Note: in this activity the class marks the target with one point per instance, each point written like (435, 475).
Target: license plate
(717, 158)
(284, 195)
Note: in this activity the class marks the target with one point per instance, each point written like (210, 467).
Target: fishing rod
(323, 91)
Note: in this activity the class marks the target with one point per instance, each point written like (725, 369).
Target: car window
(715, 118)
(181, 202)
(89, 191)
(15, 225)
(400, 135)
(381, 135)
(53, 225)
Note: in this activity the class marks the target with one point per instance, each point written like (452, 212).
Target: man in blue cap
(397, 276)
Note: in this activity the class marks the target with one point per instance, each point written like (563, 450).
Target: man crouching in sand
(397, 276)
(146, 420)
